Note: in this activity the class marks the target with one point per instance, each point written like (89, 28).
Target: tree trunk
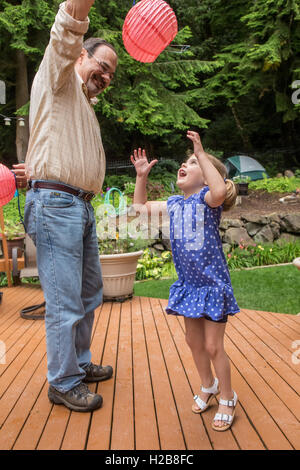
(244, 135)
(22, 97)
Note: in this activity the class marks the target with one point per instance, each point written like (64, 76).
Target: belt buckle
(85, 196)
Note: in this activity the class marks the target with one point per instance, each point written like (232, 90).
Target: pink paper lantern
(148, 29)
(7, 185)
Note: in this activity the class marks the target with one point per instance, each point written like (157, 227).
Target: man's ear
(82, 55)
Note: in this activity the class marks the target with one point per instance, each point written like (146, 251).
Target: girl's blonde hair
(231, 193)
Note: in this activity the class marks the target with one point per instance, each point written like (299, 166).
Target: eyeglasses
(102, 66)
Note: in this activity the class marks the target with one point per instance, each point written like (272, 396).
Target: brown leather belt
(86, 196)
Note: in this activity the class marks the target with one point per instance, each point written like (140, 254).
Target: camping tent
(240, 165)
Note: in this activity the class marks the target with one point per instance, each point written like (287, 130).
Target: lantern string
(183, 48)
(9, 118)
(19, 208)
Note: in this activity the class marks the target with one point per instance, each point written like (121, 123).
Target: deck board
(146, 431)
(147, 403)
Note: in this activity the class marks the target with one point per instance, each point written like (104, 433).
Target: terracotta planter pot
(118, 274)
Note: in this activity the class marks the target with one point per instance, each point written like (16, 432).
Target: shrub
(165, 165)
(10, 210)
(150, 266)
(280, 185)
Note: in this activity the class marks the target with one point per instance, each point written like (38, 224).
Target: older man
(65, 164)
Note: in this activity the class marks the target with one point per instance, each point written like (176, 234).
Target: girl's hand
(195, 138)
(141, 164)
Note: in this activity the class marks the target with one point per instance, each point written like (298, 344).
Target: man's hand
(79, 9)
(20, 172)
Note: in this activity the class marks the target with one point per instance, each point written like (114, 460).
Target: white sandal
(202, 405)
(227, 419)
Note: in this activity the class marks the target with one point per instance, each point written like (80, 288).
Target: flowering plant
(117, 245)
(244, 256)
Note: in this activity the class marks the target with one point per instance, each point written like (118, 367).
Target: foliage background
(234, 82)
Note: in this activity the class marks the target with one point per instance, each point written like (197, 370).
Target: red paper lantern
(7, 185)
(148, 29)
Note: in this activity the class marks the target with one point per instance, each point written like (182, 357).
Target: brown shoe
(79, 398)
(96, 373)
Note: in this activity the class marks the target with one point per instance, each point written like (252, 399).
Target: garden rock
(252, 228)
(159, 247)
(226, 223)
(291, 223)
(255, 218)
(167, 244)
(275, 227)
(289, 174)
(234, 235)
(265, 235)
(273, 218)
(288, 237)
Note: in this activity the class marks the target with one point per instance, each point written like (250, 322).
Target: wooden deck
(147, 404)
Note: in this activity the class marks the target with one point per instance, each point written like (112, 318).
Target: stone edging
(254, 228)
(248, 229)
(264, 266)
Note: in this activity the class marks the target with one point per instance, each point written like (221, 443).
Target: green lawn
(275, 289)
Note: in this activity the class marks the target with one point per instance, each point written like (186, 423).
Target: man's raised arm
(79, 9)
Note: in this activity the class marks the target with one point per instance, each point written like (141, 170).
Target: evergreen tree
(24, 33)
(259, 69)
(234, 81)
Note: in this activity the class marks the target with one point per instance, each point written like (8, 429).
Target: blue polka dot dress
(204, 286)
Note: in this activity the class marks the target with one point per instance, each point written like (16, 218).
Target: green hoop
(122, 208)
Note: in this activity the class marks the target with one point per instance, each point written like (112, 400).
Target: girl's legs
(195, 338)
(214, 346)
(206, 341)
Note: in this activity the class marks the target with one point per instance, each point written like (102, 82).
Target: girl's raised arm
(217, 188)
(143, 168)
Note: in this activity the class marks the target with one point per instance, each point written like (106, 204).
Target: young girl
(203, 293)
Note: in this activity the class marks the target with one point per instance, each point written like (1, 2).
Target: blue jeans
(63, 229)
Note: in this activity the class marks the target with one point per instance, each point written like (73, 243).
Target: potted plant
(242, 183)
(118, 258)
(15, 235)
